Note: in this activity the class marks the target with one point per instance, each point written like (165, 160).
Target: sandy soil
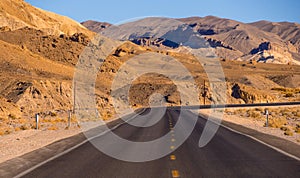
(22, 142)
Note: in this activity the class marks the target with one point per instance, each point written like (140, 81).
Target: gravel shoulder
(22, 142)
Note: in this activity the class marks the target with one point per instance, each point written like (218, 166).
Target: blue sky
(116, 11)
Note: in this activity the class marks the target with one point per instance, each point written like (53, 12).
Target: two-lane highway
(229, 154)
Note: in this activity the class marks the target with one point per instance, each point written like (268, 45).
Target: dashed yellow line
(173, 157)
(175, 173)
(172, 140)
(172, 147)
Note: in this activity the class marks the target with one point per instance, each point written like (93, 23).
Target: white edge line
(70, 149)
(256, 139)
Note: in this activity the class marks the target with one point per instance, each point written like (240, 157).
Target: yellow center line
(172, 147)
(175, 173)
(173, 157)
(172, 140)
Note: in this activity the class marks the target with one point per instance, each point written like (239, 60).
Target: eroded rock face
(161, 43)
(96, 26)
(80, 38)
(249, 94)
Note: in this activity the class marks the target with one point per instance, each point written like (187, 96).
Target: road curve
(229, 154)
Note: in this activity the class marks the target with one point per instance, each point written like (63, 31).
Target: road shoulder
(272, 140)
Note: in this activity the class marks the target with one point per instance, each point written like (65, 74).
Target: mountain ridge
(16, 14)
(237, 40)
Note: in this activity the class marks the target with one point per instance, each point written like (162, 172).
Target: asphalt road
(227, 155)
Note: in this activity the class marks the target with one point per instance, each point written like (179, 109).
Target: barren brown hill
(17, 14)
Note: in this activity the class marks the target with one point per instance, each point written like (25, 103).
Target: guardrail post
(267, 119)
(37, 121)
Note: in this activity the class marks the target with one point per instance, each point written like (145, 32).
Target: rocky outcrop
(96, 26)
(161, 43)
(249, 94)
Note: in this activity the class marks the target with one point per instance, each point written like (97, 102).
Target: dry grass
(287, 92)
(53, 127)
(285, 118)
(12, 123)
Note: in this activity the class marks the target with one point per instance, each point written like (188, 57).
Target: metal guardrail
(236, 105)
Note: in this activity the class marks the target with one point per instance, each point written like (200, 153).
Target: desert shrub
(13, 117)
(8, 131)
(2, 119)
(2, 132)
(289, 94)
(53, 114)
(24, 127)
(53, 127)
(259, 109)
(277, 122)
(255, 114)
(289, 133)
(280, 89)
(284, 128)
(59, 120)
(46, 120)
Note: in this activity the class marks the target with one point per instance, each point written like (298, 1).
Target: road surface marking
(173, 157)
(172, 147)
(175, 173)
(172, 140)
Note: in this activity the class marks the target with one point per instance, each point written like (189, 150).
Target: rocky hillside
(16, 14)
(236, 40)
(287, 31)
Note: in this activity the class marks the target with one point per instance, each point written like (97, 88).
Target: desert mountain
(231, 39)
(16, 14)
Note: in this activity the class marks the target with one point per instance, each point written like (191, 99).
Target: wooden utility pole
(74, 96)
(204, 93)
